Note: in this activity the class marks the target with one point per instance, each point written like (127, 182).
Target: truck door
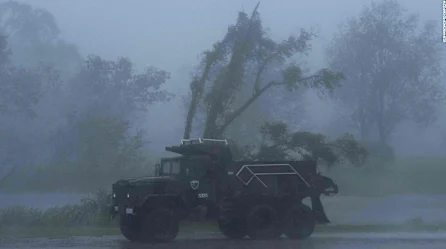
(198, 179)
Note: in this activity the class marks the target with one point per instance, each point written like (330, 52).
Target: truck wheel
(233, 229)
(300, 222)
(130, 228)
(263, 223)
(160, 225)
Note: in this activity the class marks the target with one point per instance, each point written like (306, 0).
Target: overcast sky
(170, 34)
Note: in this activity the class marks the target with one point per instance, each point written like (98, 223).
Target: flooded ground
(215, 241)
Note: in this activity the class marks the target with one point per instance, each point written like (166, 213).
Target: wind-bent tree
(392, 69)
(242, 59)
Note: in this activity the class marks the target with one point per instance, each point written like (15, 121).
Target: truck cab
(192, 172)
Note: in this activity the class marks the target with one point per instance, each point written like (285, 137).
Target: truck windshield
(171, 168)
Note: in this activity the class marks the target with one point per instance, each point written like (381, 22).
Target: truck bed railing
(203, 141)
(251, 169)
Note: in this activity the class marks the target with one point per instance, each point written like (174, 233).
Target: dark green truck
(258, 199)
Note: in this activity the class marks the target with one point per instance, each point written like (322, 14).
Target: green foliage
(20, 88)
(108, 152)
(107, 146)
(392, 68)
(34, 37)
(107, 87)
(243, 58)
(92, 211)
(281, 144)
(240, 152)
(25, 21)
(20, 92)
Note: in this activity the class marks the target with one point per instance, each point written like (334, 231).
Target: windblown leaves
(241, 60)
(281, 144)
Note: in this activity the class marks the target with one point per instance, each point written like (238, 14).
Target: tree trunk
(364, 131)
(5, 177)
(210, 129)
(230, 78)
(190, 115)
(382, 134)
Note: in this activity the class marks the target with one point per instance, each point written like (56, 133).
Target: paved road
(211, 241)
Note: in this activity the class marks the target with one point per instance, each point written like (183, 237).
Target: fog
(171, 34)
(93, 91)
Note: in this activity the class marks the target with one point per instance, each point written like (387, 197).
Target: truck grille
(120, 191)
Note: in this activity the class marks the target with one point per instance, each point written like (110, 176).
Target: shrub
(106, 152)
(92, 211)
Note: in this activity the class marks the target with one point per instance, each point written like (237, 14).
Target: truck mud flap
(318, 210)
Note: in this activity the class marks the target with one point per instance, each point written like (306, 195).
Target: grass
(188, 229)
(408, 175)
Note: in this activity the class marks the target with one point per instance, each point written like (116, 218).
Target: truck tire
(161, 225)
(130, 228)
(263, 223)
(300, 222)
(233, 229)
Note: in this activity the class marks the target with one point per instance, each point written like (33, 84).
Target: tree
(391, 68)
(279, 143)
(105, 87)
(34, 41)
(20, 91)
(108, 88)
(247, 52)
(108, 151)
(20, 87)
(34, 36)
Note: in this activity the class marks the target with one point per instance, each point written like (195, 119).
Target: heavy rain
(119, 115)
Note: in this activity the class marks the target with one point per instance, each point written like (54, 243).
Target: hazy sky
(170, 34)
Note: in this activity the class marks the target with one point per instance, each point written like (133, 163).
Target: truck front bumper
(121, 210)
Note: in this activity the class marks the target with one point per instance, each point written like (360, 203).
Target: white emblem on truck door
(194, 184)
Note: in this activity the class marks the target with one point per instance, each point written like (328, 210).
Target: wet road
(211, 241)
(397, 209)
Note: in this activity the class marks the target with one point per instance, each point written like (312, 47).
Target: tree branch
(261, 69)
(4, 178)
(245, 106)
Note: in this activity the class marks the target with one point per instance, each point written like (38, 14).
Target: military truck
(255, 199)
